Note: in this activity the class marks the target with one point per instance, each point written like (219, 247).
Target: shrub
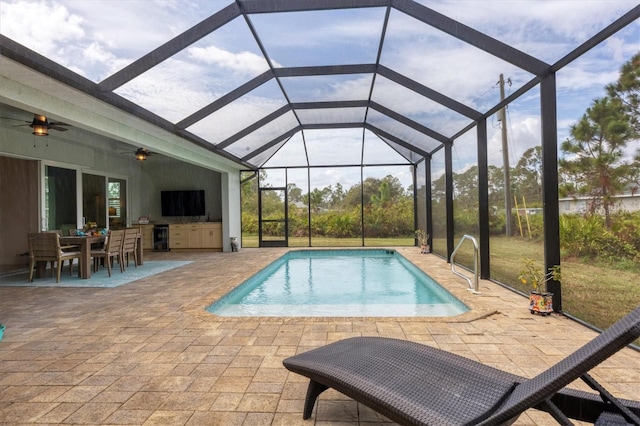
(588, 236)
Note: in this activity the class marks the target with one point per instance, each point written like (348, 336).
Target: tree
(337, 196)
(294, 193)
(465, 188)
(438, 190)
(495, 183)
(249, 192)
(627, 91)
(316, 199)
(383, 197)
(527, 176)
(595, 154)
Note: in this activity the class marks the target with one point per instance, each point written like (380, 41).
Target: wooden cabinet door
(147, 236)
(178, 236)
(194, 236)
(211, 234)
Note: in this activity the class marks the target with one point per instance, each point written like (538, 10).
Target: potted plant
(422, 238)
(540, 300)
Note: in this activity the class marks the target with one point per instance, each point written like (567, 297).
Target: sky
(97, 38)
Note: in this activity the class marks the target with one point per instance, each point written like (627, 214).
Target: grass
(596, 293)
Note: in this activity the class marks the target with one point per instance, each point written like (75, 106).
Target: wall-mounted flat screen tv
(183, 203)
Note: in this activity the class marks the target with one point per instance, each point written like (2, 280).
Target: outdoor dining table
(85, 243)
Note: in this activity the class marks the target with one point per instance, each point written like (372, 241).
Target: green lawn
(595, 293)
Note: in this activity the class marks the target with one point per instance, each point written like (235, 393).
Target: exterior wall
(162, 173)
(18, 207)
(626, 202)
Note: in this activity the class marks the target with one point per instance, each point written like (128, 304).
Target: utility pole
(505, 161)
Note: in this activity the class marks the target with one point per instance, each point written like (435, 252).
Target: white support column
(231, 218)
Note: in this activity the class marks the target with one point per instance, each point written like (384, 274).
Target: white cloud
(42, 26)
(243, 62)
(352, 88)
(529, 21)
(166, 92)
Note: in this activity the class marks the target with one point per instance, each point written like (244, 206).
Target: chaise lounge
(414, 384)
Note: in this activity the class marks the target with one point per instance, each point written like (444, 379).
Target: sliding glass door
(117, 203)
(94, 200)
(60, 198)
(104, 201)
(72, 199)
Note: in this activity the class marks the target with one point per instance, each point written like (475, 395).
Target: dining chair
(66, 247)
(45, 247)
(112, 249)
(129, 245)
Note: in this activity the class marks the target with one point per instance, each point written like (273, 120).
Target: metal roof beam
(472, 37)
(197, 140)
(381, 133)
(329, 104)
(170, 48)
(253, 127)
(265, 77)
(429, 93)
(325, 70)
(236, 93)
(281, 111)
(603, 35)
(409, 122)
(270, 144)
(334, 104)
(273, 6)
(318, 126)
(27, 57)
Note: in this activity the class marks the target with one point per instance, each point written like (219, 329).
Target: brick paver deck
(147, 353)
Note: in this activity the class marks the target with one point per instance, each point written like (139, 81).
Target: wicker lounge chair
(414, 384)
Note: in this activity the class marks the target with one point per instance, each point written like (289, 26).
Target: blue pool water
(339, 283)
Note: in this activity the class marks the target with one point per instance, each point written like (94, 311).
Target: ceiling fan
(41, 125)
(142, 154)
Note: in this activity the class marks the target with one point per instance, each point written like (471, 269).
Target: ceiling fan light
(40, 125)
(40, 130)
(141, 154)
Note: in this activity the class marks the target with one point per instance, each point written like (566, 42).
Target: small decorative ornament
(422, 237)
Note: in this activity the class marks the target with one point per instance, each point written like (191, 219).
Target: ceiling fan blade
(14, 119)
(58, 123)
(62, 129)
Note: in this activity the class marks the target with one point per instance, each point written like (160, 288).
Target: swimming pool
(359, 283)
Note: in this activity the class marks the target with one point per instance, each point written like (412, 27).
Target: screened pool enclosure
(346, 122)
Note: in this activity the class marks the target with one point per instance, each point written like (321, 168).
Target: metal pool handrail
(472, 287)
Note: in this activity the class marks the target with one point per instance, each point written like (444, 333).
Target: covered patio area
(148, 353)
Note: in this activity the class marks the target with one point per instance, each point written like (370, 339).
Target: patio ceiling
(279, 81)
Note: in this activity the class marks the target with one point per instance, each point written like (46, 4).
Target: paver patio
(147, 353)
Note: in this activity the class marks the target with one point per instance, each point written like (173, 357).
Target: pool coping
(432, 265)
